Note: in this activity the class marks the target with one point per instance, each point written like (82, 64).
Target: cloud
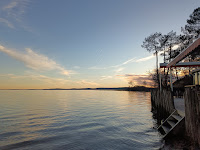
(49, 80)
(37, 77)
(144, 58)
(118, 70)
(141, 59)
(16, 8)
(12, 12)
(129, 61)
(46, 81)
(33, 78)
(9, 24)
(137, 79)
(11, 5)
(132, 60)
(106, 77)
(84, 82)
(35, 60)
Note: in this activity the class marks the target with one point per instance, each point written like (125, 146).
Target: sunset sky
(82, 43)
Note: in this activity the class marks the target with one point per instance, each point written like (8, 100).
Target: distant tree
(130, 83)
(153, 44)
(153, 76)
(144, 83)
(193, 23)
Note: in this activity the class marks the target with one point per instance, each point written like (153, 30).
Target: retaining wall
(162, 104)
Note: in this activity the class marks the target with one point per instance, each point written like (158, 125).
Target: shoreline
(138, 88)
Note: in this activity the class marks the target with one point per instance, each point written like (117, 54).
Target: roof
(196, 70)
(181, 64)
(185, 53)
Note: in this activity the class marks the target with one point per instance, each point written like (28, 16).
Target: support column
(171, 79)
(160, 81)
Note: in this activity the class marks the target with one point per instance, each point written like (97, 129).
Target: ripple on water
(77, 120)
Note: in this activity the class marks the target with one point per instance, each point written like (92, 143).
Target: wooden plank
(177, 128)
(177, 117)
(171, 123)
(165, 128)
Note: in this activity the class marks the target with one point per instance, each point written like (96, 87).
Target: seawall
(162, 104)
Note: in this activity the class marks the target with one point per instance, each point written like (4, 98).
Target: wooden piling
(192, 113)
(162, 104)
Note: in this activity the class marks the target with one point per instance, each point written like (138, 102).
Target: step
(166, 129)
(167, 119)
(171, 123)
(177, 117)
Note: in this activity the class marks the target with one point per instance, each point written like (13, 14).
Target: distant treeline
(135, 88)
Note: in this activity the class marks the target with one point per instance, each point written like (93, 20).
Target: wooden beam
(181, 64)
(185, 53)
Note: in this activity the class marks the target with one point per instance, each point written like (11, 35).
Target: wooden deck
(180, 106)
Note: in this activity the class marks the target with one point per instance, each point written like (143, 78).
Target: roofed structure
(191, 48)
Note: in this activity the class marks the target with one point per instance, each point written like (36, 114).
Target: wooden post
(160, 82)
(171, 79)
(192, 112)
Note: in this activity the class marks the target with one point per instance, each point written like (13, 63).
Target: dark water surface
(76, 120)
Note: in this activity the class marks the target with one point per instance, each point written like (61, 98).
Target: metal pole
(171, 79)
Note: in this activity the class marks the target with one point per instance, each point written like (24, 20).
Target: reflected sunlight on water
(58, 119)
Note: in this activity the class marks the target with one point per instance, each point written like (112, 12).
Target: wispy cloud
(36, 77)
(118, 70)
(7, 23)
(106, 77)
(34, 81)
(144, 58)
(11, 5)
(12, 12)
(129, 61)
(15, 8)
(35, 60)
(132, 60)
(84, 82)
(47, 82)
(136, 79)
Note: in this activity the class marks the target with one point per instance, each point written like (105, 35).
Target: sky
(82, 43)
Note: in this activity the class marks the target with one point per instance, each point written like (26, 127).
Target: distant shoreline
(137, 88)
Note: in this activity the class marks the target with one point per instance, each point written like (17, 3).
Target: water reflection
(76, 120)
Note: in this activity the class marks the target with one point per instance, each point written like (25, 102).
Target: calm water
(77, 120)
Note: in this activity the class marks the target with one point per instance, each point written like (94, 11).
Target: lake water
(77, 120)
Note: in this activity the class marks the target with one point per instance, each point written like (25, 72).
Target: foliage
(152, 43)
(168, 41)
(193, 23)
(165, 43)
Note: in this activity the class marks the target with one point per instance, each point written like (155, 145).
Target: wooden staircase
(172, 124)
